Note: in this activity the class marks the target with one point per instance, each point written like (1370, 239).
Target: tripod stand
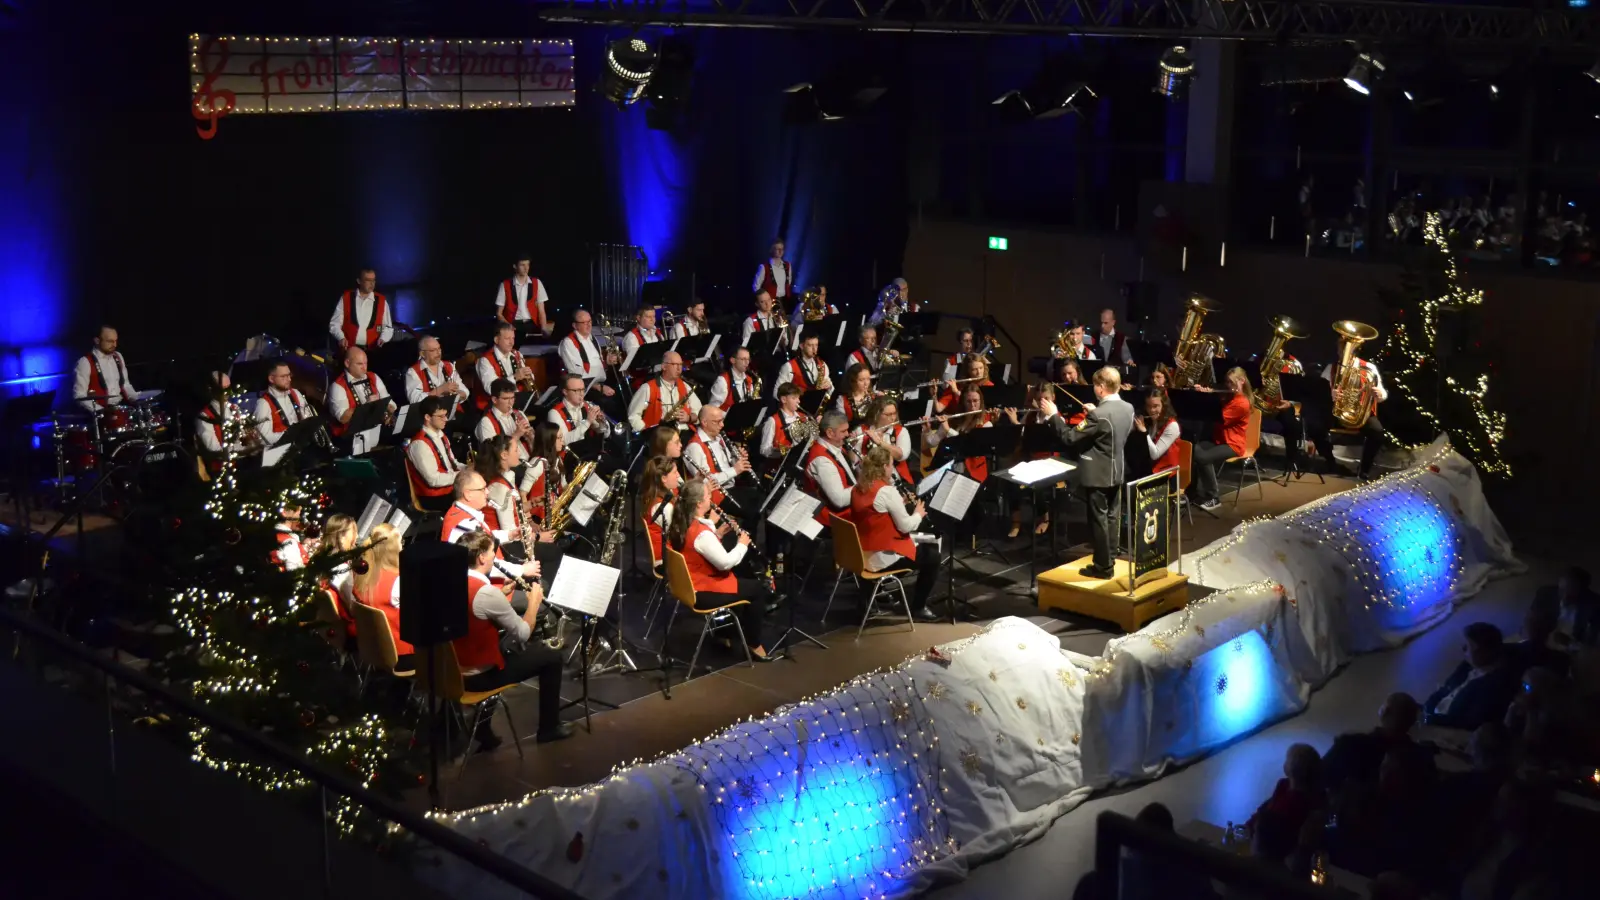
(583, 699)
(793, 631)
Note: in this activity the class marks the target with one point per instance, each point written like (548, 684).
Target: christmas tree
(246, 640)
(1435, 371)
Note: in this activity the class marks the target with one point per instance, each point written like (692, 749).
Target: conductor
(1101, 437)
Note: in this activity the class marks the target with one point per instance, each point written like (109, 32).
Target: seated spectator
(1537, 649)
(1545, 717)
(1298, 794)
(1480, 688)
(1359, 755)
(1143, 878)
(1579, 621)
(1466, 798)
(1388, 825)
(1507, 859)
(1272, 838)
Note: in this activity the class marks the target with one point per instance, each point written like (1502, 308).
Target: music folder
(647, 357)
(697, 347)
(765, 343)
(300, 434)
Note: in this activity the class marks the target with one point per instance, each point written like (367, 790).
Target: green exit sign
(999, 243)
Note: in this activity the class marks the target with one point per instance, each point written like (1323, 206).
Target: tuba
(1271, 393)
(812, 307)
(1353, 402)
(559, 516)
(1196, 350)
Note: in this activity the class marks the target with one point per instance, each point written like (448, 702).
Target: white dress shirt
(669, 398)
(285, 402)
(834, 490)
(770, 322)
(339, 401)
(695, 453)
(574, 361)
(687, 327)
(1160, 445)
(888, 500)
(208, 435)
(710, 546)
(361, 308)
(490, 604)
(769, 434)
(485, 369)
(780, 278)
(525, 309)
(580, 420)
(508, 426)
(112, 367)
(815, 370)
(861, 357)
(507, 502)
(724, 383)
(1378, 389)
(422, 459)
(416, 391)
(631, 342)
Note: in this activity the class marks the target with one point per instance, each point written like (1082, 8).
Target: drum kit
(92, 445)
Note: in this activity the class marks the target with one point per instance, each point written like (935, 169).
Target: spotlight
(845, 93)
(1363, 72)
(1594, 72)
(1042, 104)
(629, 65)
(1173, 72)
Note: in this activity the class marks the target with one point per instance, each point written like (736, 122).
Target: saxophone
(558, 516)
(612, 544)
(1195, 350)
(1353, 404)
(1271, 393)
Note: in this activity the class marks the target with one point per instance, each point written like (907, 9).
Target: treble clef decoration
(210, 105)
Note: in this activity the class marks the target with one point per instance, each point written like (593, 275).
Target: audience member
(1298, 794)
(1537, 648)
(1466, 798)
(1480, 688)
(1144, 878)
(1359, 755)
(1506, 860)
(1579, 622)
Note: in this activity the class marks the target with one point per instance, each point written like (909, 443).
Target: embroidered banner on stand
(232, 74)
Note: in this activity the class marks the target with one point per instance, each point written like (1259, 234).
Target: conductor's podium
(1108, 598)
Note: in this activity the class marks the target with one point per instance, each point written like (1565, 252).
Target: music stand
(646, 360)
(365, 418)
(588, 589)
(697, 347)
(743, 416)
(1049, 482)
(832, 331)
(1313, 396)
(787, 474)
(985, 442)
(946, 525)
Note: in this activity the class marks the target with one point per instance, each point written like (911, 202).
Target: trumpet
(926, 419)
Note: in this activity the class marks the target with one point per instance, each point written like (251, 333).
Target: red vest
(797, 374)
(902, 466)
(343, 383)
(780, 430)
(515, 525)
(877, 529)
(289, 543)
(706, 577)
(732, 398)
(653, 411)
(97, 384)
(860, 358)
(1117, 340)
(426, 380)
(711, 466)
(1168, 459)
(819, 450)
(208, 415)
(379, 599)
(455, 515)
(509, 311)
(769, 280)
(583, 355)
(480, 397)
(418, 483)
(1235, 424)
(353, 329)
(279, 422)
(479, 648)
(653, 528)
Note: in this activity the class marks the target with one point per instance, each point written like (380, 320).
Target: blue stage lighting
(1239, 692)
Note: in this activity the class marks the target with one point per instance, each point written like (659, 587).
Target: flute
(937, 382)
(926, 419)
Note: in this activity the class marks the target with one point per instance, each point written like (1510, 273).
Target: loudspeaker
(433, 592)
(1140, 299)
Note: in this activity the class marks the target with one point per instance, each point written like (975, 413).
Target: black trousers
(749, 614)
(1371, 440)
(521, 665)
(927, 566)
(1286, 424)
(1204, 468)
(1105, 515)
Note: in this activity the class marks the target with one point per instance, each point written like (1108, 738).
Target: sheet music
(912, 394)
(933, 478)
(1005, 374)
(377, 511)
(954, 495)
(401, 522)
(949, 372)
(794, 510)
(584, 587)
(273, 455)
(627, 361)
(366, 441)
(400, 419)
(593, 493)
(475, 345)
(838, 340)
(710, 349)
(1035, 470)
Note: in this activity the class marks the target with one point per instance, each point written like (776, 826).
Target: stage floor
(647, 724)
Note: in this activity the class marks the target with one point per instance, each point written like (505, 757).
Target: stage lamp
(1594, 72)
(629, 65)
(1363, 72)
(1173, 72)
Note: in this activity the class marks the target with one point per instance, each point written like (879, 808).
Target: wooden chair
(1247, 459)
(850, 558)
(375, 643)
(681, 584)
(201, 469)
(1185, 475)
(658, 589)
(449, 687)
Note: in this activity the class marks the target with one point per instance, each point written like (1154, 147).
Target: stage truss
(1379, 21)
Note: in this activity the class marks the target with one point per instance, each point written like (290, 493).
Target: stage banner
(1150, 506)
(235, 74)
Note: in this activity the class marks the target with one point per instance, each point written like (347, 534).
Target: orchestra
(491, 476)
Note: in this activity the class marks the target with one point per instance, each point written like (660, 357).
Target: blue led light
(1239, 689)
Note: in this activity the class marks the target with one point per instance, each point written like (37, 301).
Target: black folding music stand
(833, 332)
(1314, 397)
(743, 416)
(787, 474)
(1049, 485)
(696, 346)
(367, 416)
(984, 442)
(949, 530)
(647, 359)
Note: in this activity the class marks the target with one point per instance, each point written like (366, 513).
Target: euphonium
(991, 344)
(1196, 350)
(558, 516)
(1271, 393)
(1352, 404)
(1064, 346)
(812, 307)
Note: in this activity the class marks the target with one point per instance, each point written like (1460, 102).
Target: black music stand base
(583, 699)
(793, 631)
